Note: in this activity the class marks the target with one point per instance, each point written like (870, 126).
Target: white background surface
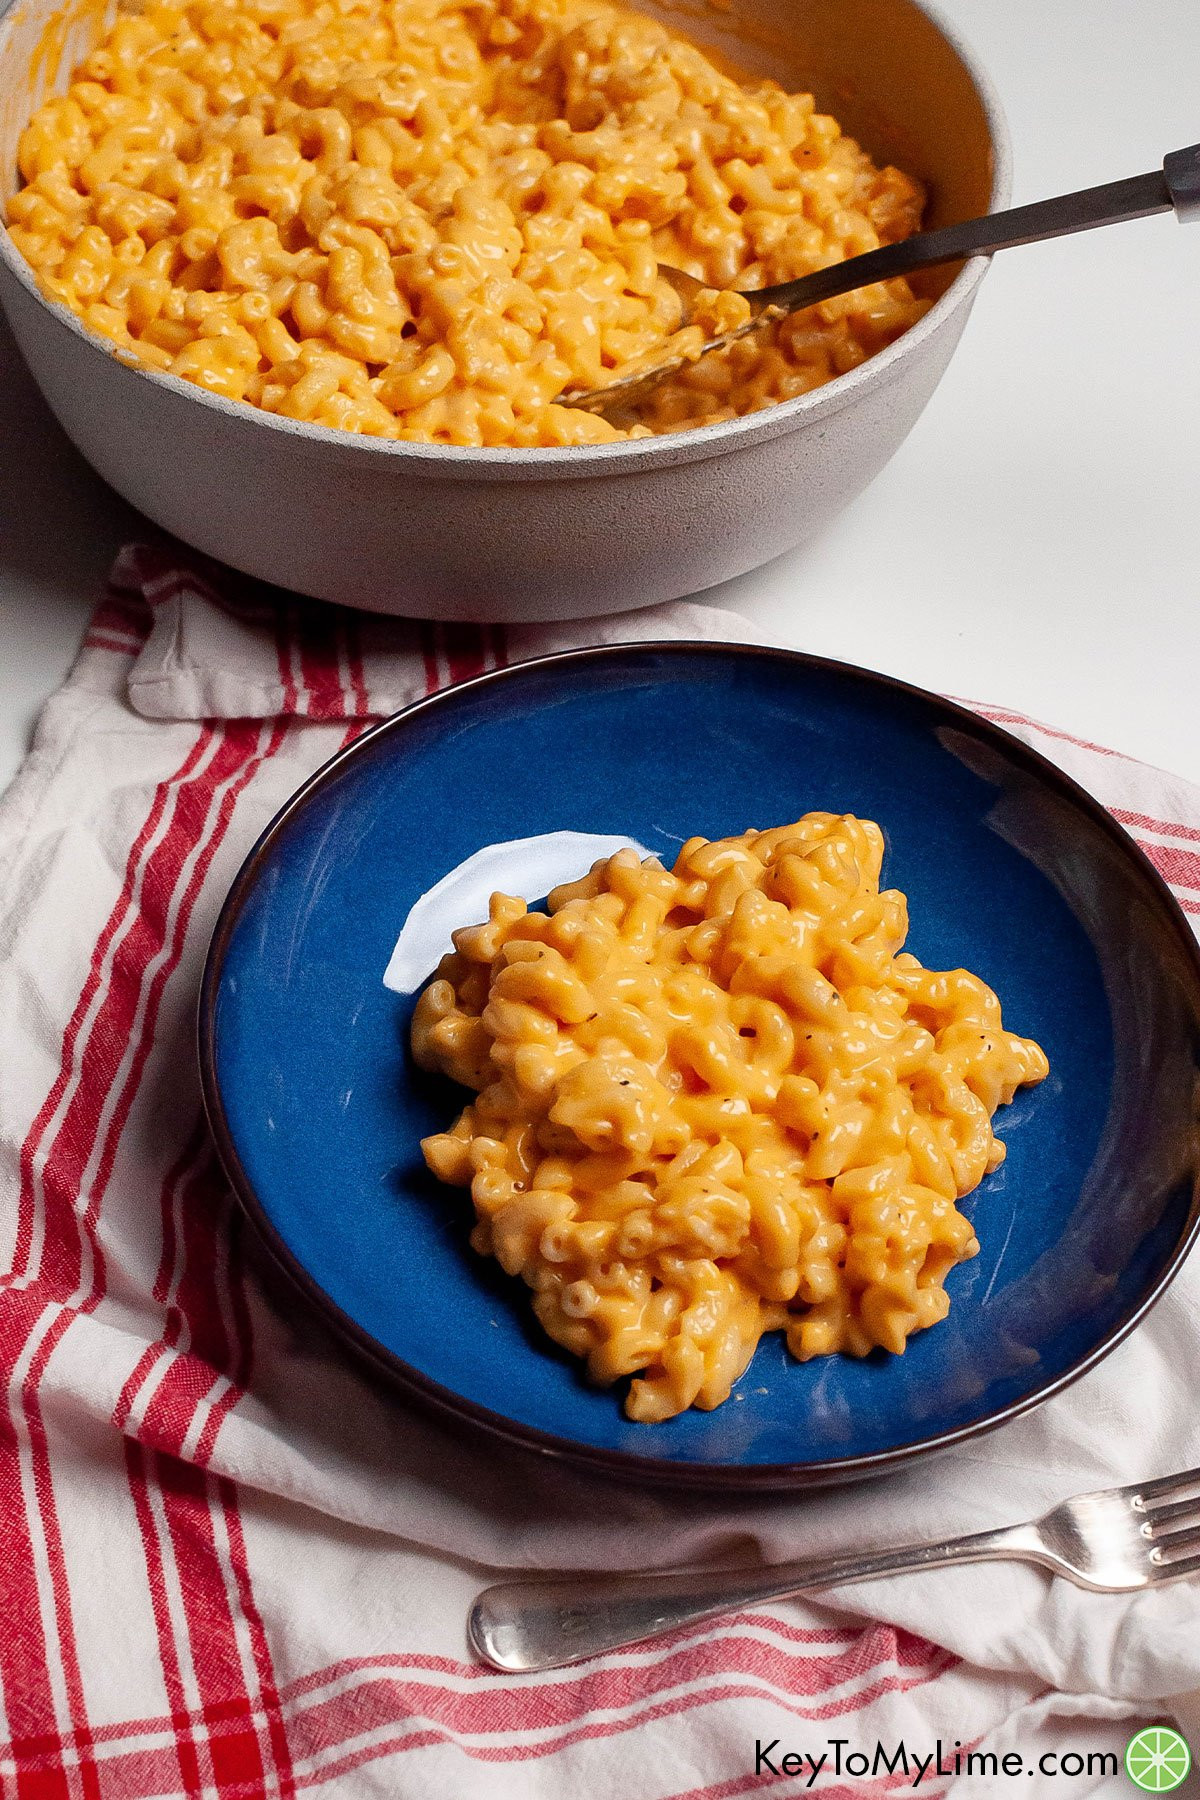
(1036, 542)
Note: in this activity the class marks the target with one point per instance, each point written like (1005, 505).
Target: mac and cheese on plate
(718, 1101)
(425, 219)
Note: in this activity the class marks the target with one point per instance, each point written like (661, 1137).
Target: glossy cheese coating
(425, 219)
(718, 1101)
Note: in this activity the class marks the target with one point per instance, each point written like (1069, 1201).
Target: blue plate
(1010, 870)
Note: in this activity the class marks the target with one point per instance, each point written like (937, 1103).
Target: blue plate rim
(650, 1469)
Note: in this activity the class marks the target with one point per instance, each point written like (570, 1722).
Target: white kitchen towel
(232, 1564)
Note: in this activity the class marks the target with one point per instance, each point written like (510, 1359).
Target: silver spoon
(1176, 186)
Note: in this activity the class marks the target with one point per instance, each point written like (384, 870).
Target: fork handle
(544, 1623)
(1174, 187)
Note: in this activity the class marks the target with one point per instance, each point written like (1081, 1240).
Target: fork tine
(1164, 1487)
(1180, 1539)
(1168, 1569)
(1160, 1513)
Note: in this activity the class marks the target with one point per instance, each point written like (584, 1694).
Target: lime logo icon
(1157, 1760)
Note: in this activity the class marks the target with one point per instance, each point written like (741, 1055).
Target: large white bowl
(441, 532)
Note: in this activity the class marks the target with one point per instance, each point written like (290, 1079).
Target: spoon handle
(1175, 186)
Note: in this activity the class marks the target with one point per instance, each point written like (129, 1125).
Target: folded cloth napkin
(231, 1565)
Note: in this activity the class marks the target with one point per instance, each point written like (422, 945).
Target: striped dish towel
(230, 1566)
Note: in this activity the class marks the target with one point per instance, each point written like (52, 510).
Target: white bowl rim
(695, 444)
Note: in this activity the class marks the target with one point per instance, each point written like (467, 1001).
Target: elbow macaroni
(719, 1101)
(424, 220)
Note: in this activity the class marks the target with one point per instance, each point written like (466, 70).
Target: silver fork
(1113, 1542)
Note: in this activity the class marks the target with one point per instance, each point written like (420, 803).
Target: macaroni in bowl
(426, 219)
(719, 1101)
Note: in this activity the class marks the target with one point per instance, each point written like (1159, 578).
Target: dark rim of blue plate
(649, 1468)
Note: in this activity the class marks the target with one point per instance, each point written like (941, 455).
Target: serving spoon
(1175, 187)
